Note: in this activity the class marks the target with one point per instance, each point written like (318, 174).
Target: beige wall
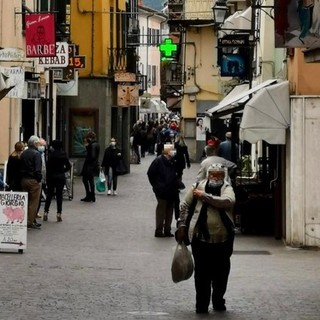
(10, 37)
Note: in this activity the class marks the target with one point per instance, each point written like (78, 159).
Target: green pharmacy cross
(167, 48)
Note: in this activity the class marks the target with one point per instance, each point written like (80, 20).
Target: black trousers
(211, 271)
(88, 182)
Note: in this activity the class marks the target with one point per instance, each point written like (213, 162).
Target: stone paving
(103, 262)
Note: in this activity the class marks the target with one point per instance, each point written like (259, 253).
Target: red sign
(40, 35)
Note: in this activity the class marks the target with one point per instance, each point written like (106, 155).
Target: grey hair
(32, 141)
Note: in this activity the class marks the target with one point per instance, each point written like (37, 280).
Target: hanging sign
(40, 35)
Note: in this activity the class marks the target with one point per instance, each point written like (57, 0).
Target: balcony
(190, 12)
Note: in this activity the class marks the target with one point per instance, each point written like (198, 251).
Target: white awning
(235, 102)
(153, 106)
(240, 20)
(267, 115)
(5, 87)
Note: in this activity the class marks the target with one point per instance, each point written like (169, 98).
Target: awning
(4, 86)
(235, 102)
(153, 106)
(240, 20)
(267, 115)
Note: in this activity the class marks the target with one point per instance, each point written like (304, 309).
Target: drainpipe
(92, 38)
(147, 61)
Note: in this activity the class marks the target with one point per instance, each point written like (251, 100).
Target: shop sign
(11, 54)
(13, 220)
(40, 35)
(60, 60)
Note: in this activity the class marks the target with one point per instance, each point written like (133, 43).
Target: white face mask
(112, 144)
(41, 149)
(172, 153)
(215, 183)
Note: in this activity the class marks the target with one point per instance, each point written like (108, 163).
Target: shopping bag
(121, 168)
(102, 177)
(100, 186)
(182, 263)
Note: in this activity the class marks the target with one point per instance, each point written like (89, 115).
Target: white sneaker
(114, 193)
(109, 192)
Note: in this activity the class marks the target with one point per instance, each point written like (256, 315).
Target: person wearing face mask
(206, 220)
(162, 176)
(110, 161)
(91, 166)
(42, 149)
(31, 176)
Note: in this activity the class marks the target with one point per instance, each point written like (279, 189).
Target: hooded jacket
(225, 201)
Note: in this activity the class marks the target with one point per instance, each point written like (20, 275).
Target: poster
(201, 129)
(13, 220)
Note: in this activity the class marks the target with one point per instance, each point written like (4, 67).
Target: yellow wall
(90, 29)
(201, 57)
(303, 77)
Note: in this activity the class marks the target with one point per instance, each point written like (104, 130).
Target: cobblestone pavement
(103, 262)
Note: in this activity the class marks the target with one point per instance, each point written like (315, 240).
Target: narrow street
(103, 262)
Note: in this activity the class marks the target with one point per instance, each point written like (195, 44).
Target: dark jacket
(57, 165)
(182, 156)
(163, 178)
(31, 164)
(13, 173)
(91, 163)
(111, 159)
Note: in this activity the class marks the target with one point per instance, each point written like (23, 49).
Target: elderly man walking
(31, 166)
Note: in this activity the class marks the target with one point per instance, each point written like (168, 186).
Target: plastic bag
(102, 177)
(100, 186)
(182, 263)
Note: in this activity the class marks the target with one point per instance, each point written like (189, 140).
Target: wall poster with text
(13, 220)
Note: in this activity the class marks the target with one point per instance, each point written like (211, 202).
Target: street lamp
(219, 12)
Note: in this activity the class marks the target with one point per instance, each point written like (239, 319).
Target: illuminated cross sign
(167, 48)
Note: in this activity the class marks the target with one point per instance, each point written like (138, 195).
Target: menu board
(13, 221)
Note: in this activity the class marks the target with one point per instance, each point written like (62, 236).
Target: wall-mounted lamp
(220, 10)
(192, 97)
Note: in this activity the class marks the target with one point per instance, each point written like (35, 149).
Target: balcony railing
(190, 11)
(122, 60)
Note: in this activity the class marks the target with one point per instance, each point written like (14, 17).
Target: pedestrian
(57, 165)
(110, 161)
(31, 175)
(137, 140)
(182, 159)
(43, 194)
(225, 148)
(206, 219)
(90, 167)
(162, 176)
(13, 167)
(212, 151)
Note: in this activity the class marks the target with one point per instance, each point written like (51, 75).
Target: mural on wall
(82, 122)
(297, 23)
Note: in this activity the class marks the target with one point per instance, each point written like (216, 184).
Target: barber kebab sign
(13, 220)
(40, 35)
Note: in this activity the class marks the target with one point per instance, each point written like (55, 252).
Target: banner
(40, 35)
